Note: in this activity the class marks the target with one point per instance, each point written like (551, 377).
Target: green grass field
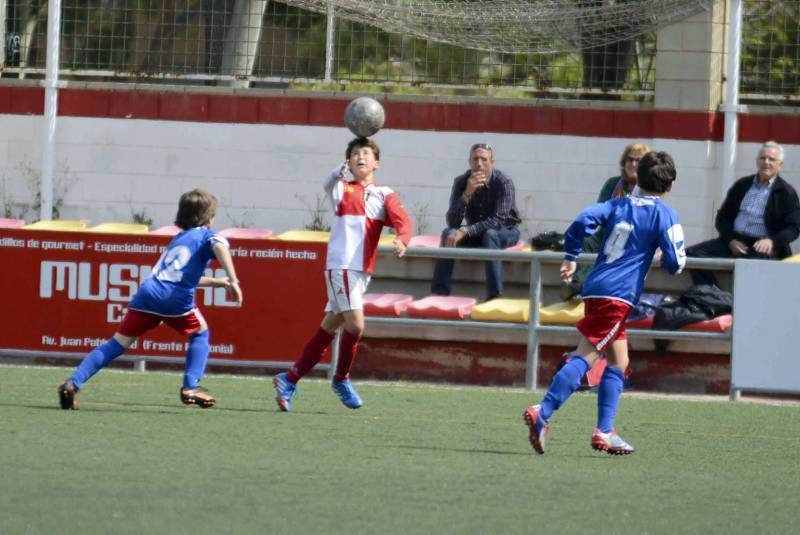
(414, 459)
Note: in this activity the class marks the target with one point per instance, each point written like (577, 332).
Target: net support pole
(731, 105)
(329, 43)
(50, 108)
(3, 15)
(242, 40)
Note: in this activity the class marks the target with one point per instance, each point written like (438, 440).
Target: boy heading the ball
(361, 209)
(635, 227)
(167, 296)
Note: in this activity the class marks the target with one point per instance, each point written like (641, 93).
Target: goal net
(514, 26)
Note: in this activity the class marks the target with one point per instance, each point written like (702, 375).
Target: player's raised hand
(399, 247)
(567, 269)
(235, 291)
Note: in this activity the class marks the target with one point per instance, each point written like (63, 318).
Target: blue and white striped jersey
(170, 289)
(634, 228)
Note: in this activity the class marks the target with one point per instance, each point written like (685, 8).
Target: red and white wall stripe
(120, 152)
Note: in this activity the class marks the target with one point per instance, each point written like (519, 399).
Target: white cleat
(610, 443)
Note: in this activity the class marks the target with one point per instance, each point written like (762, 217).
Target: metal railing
(534, 327)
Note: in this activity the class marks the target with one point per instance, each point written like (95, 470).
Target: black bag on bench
(698, 303)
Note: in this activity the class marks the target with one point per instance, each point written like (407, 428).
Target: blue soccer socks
(608, 395)
(565, 382)
(96, 360)
(196, 359)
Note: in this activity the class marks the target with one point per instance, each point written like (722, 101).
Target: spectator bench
(503, 310)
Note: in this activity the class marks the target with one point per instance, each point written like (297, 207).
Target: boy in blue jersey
(635, 227)
(167, 296)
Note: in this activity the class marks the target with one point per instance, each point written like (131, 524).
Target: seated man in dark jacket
(759, 218)
(482, 213)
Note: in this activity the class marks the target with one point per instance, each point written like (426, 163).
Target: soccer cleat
(537, 428)
(610, 443)
(285, 390)
(68, 396)
(347, 394)
(197, 396)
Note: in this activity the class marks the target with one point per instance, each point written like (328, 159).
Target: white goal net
(514, 26)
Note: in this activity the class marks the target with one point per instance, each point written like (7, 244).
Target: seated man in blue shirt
(482, 213)
(759, 218)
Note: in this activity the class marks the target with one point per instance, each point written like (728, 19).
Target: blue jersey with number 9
(170, 289)
(635, 227)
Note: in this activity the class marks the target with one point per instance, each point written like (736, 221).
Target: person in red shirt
(361, 209)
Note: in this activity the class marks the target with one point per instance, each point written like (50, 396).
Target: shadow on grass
(457, 450)
(108, 406)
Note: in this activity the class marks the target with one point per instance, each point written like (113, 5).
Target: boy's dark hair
(357, 143)
(196, 208)
(656, 172)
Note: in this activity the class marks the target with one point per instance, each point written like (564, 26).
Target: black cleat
(197, 396)
(68, 396)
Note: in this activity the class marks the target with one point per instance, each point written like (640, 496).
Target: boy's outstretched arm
(231, 282)
(398, 218)
(586, 224)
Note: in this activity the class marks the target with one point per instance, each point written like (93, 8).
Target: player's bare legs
(617, 354)
(588, 351)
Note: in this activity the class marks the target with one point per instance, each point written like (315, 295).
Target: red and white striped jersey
(360, 213)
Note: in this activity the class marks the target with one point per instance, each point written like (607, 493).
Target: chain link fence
(770, 69)
(260, 42)
(268, 43)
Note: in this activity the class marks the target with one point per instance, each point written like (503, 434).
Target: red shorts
(604, 321)
(136, 323)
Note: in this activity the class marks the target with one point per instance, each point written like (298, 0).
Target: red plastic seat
(424, 240)
(248, 233)
(166, 230)
(386, 304)
(595, 373)
(6, 222)
(430, 240)
(719, 324)
(644, 323)
(443, 307)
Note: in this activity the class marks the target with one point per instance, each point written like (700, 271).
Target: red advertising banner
(68, 291)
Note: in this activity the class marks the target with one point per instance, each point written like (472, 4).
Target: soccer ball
(364, 116)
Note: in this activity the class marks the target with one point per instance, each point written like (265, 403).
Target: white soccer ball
(364, 116)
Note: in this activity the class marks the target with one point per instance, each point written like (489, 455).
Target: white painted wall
(268, 175)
